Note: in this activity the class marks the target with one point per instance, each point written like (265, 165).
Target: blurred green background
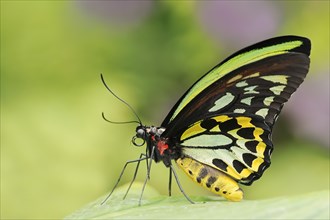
(58, 154)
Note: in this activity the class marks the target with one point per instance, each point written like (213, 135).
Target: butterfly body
(211, 179)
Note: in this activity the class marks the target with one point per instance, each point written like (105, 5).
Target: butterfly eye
(140, 132)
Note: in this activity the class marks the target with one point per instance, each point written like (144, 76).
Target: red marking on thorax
(162, 146)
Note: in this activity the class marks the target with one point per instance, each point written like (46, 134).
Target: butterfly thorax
(158, 147)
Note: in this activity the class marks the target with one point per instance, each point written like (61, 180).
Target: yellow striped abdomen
(212, 179)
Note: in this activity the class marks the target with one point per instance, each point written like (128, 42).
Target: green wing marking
(252, 54)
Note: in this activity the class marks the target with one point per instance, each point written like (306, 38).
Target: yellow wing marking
(256, 163)
(257, 132)
(221, 118)
(245, 122)
(235, 78)
(252, 75)
(261, 147)
(238, 176)
(193, 130)
(197, 129)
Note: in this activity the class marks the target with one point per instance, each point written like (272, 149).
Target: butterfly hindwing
(236, 144)
(225, 119)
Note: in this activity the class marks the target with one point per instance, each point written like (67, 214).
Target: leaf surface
(313, 205)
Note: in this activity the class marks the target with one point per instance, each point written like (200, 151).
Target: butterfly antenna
(123, 101)
(118, 122)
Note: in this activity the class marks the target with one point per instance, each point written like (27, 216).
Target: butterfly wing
(238, 145)
(225, 119)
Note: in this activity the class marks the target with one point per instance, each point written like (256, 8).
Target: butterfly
(220, 131)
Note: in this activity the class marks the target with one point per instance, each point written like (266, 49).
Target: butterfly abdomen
(210, 178)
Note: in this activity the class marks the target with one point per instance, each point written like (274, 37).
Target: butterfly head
(141, 134)
(157, 146)
(146, 133)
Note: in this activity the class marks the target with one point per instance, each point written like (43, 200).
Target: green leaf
(154, 206)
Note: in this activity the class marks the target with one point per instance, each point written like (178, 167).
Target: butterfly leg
(147, 163)
(170, 184)
(121, 174)
(148, 173)
(180, 187)
(135, 173)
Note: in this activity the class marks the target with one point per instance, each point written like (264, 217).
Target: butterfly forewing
(225, 119)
